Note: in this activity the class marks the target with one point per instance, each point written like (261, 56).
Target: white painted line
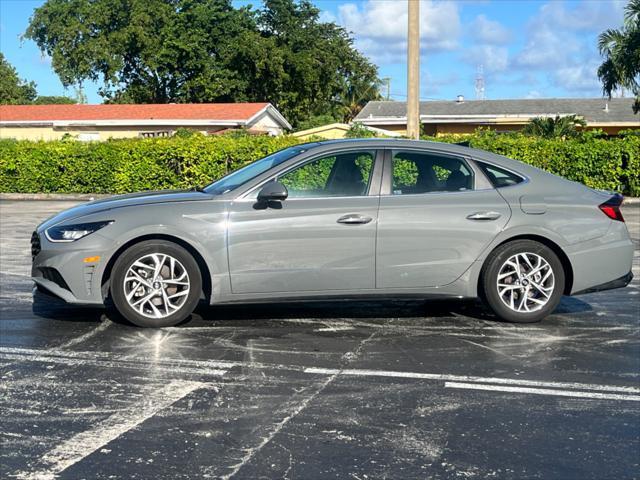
(15, 274)
(74, 341)
(85, 443)
(543, 391)
(465, 378)
(109, 360)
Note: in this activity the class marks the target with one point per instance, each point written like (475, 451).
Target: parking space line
(109, 360)
(465, 378)
(542, 391)
(85, 443)
(91, 333)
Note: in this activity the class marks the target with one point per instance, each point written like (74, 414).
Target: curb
(54, 196)
(78, 197)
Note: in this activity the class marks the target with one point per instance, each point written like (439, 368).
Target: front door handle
(484, 216)
(354, 219)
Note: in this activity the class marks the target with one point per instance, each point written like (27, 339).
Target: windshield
(235, 179)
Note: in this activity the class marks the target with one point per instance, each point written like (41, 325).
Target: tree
(160, 51)
(621, 51)
(14, 91)
(358, 94)
(550, 127)
(54, 99)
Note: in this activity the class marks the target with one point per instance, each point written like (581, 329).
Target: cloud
(578, 79)
(558, 35)
(492, 58)
(489, 32)
(560, 42)
(431, 84)
(584, 16)
(380, 27)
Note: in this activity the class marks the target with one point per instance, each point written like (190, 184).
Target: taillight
(611, 208)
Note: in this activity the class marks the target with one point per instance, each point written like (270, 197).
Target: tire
(514, 262)
(155, 301)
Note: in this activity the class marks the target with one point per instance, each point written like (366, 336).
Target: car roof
(522, 168)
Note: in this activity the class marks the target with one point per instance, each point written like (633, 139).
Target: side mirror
(273, 191)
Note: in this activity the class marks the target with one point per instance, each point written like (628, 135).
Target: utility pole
(413, 71)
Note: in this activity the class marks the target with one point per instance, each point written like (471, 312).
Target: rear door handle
(484, 216)
(354, 219)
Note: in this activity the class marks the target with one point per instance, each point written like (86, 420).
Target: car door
(321, 238)
(437, 214)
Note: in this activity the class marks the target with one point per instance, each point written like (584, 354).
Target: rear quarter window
(499, 177)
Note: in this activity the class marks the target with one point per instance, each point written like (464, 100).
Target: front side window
(247, 173)
(416, 173)
(341, 175)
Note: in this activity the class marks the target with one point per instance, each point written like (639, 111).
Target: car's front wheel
(523, 281)
(155, 283)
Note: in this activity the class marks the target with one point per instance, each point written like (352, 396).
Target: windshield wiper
(198, 188)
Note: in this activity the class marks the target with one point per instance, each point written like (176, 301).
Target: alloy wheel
(156, 285)
(525, 282)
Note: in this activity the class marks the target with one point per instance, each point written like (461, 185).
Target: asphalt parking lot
(344, 390)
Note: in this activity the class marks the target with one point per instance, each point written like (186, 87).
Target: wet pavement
(354, 390)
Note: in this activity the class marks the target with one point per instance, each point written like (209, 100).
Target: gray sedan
(342, 219)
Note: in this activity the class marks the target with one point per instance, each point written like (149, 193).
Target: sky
(525, 48)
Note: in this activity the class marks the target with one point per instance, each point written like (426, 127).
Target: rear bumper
(617, 283)
(601, 261)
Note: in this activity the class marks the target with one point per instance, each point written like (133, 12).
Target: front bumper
(60, 269)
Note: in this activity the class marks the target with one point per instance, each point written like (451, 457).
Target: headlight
(71, 233)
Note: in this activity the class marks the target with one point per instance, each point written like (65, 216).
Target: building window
(89, 136)
(161, 133)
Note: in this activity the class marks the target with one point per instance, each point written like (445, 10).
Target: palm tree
(357, 97)
(550, 127)
(621, 51)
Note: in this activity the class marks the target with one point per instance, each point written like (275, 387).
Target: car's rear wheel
(523, 281)
(155, 283)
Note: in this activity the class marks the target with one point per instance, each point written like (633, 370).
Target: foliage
(53, 100)
(550, 127)
(316, 121)
(600, 163)
(621, 51)
(161, 51)
(14, 91)
(130, 165)
(358, 130)
(183, 132)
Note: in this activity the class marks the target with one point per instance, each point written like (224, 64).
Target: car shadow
(50, 307)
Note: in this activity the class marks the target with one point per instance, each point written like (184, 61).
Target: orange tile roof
(173, 111)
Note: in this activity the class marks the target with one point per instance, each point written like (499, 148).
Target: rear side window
(499, 177)
(416, 173)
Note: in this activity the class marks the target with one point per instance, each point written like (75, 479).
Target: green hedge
(601, 163)
(120, 166)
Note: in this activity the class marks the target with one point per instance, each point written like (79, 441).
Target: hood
(128, 200)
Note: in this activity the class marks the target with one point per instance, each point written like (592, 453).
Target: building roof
(231, 114)
(594, 110)
(345, 127)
